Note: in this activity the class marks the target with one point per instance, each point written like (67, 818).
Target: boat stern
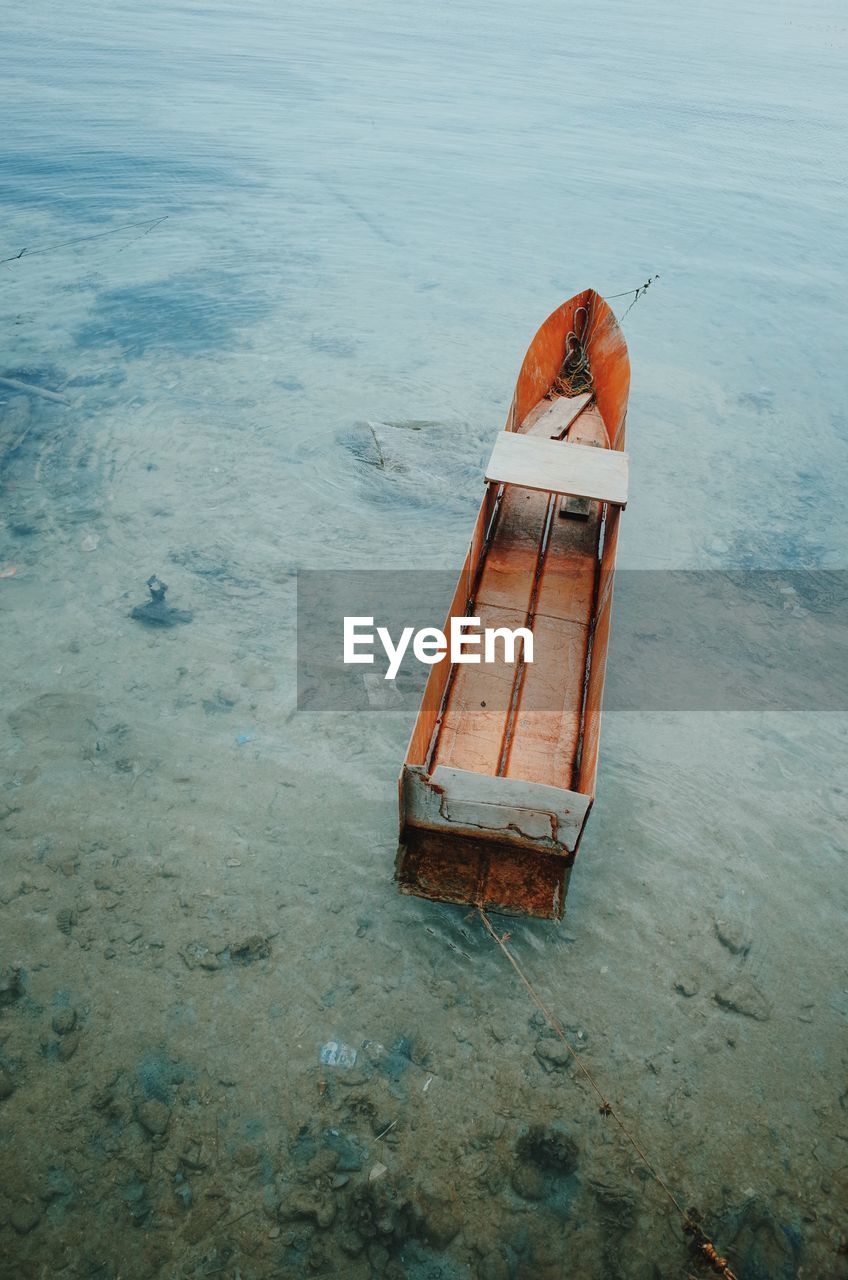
(498, 843)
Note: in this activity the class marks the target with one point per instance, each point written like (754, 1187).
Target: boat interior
(539, 569)
(500, 772)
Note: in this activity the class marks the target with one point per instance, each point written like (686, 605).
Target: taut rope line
(149, 223)
(703, 1246)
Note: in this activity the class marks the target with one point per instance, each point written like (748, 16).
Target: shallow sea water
(368, 209)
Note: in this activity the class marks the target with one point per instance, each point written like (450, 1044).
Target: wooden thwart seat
(555, 466)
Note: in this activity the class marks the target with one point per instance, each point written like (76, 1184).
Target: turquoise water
(347, 222)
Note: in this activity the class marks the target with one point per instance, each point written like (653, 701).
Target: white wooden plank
(528, 814)
(556, 466)
(552, 418)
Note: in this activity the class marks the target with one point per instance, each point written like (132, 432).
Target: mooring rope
(637, 294)
(26, 252)
(704, 1247)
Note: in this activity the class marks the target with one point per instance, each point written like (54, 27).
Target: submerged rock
(66, 919)
(764, 1246)
(743, 997)
(441, 1223)
(312, 1207)
(549, 1149)
(11, 985)
(528, 1182)
(24, 1217)
(202, 1219)
(616, 1204)
(733, 937)
(553, 1055)
(63, 1023)
(68, 1046)
(379, 1209)
(378, 1258)
(7, 1084)
(256, 947)
(194, 1155)
(154, 1117)
(348, 1157)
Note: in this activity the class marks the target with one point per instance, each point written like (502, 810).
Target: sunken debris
(155, 612)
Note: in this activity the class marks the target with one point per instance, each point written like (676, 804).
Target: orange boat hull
(500, 774)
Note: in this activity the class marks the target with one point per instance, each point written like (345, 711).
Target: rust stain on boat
(499, 777)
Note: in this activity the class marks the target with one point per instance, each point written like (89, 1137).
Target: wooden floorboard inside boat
(524, 721)
(475, 717)
(545, 733)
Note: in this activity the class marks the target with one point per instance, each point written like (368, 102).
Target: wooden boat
(500, 773)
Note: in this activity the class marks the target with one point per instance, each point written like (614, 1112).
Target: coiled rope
(575, 376)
